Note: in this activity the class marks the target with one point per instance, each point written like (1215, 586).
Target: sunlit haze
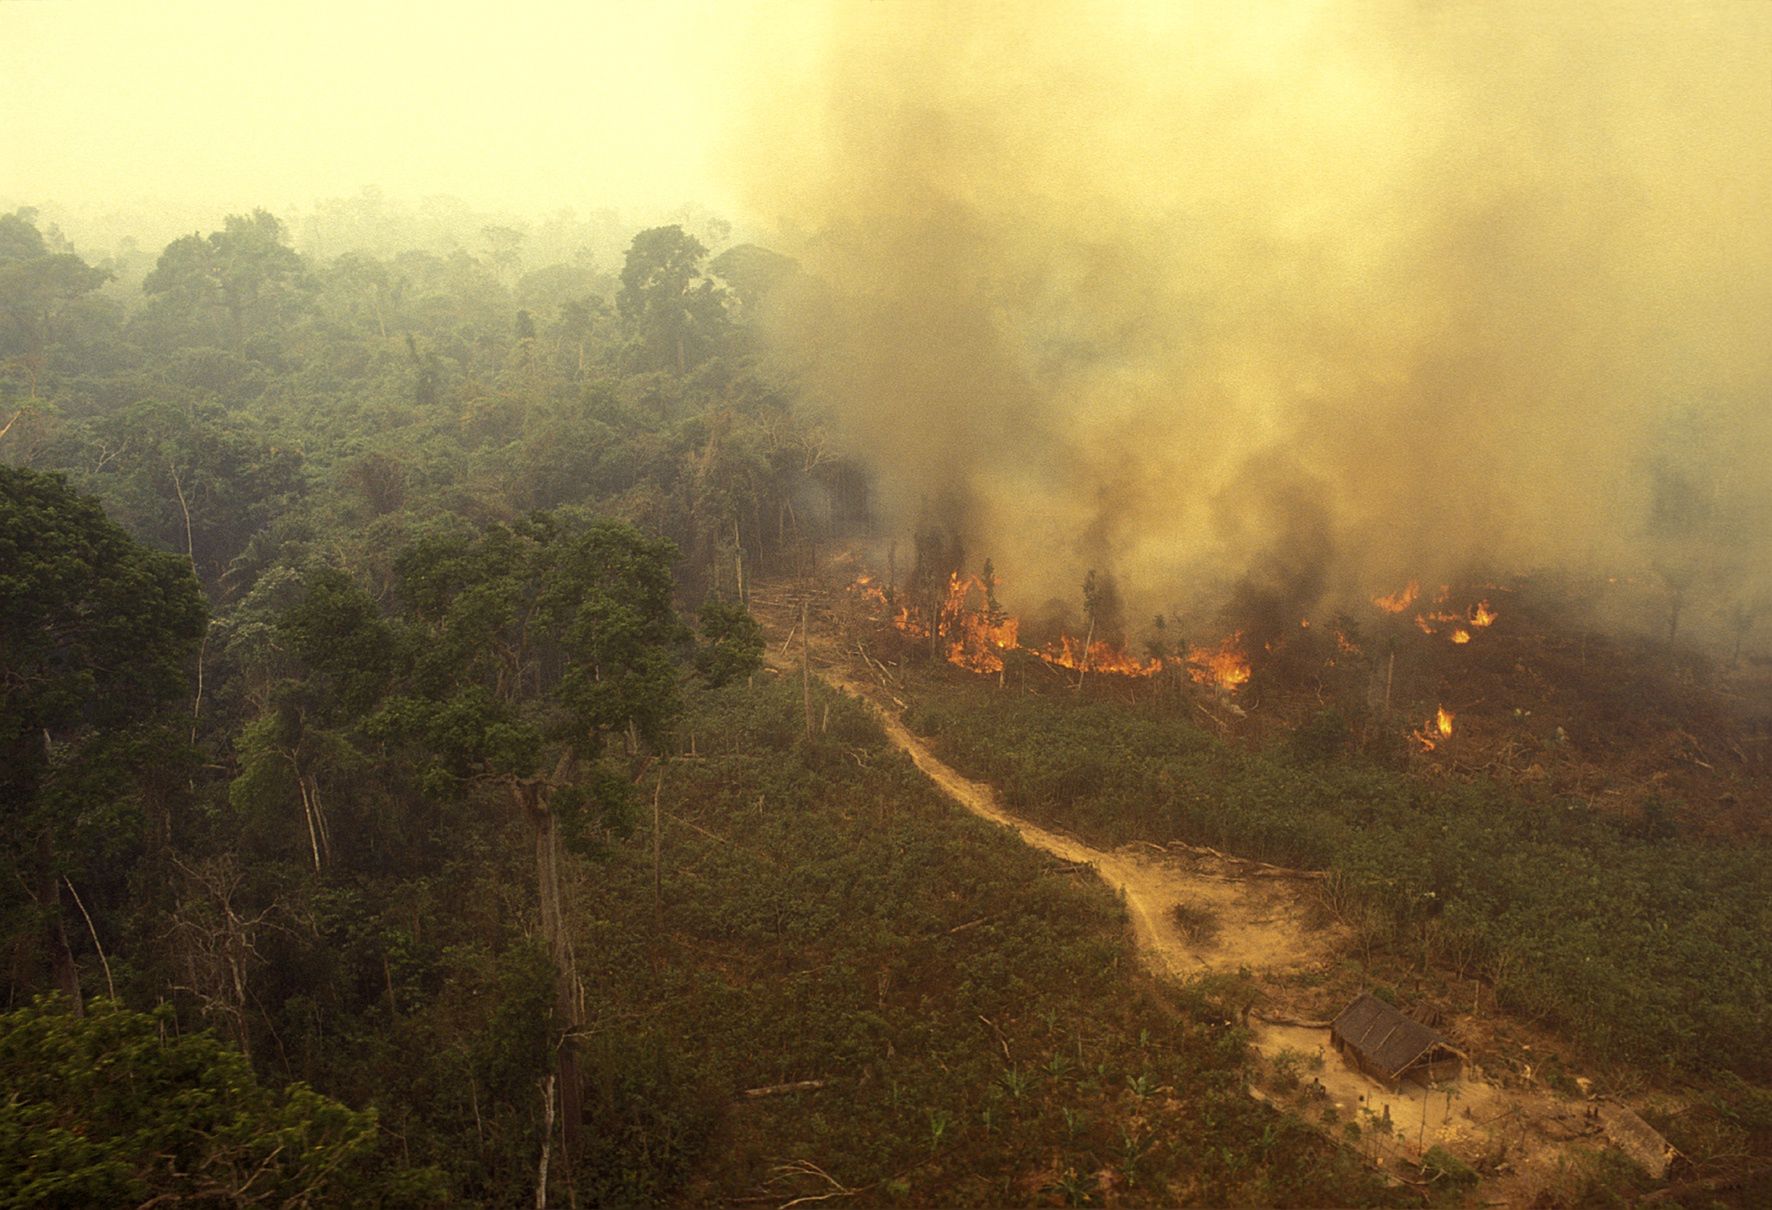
(205, 108)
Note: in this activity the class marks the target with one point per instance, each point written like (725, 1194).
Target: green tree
(675, 314)
(242, 280)
(114, 1108)
(752, 273)
(96, 639)
(731, 643)
(539, 643)
(194, 479)
(333, 659)
(36, 287)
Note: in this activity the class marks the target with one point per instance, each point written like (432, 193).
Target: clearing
(1196, 912)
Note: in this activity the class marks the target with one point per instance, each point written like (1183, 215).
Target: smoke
(1312, 299)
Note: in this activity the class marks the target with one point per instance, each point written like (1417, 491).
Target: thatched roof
(1388, 1043)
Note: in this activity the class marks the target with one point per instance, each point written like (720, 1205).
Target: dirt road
(1260, 924)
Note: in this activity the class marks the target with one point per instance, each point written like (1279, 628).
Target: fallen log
(776, 1090)
(1251, 867)
(1271, 1019)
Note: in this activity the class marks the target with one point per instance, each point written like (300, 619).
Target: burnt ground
(1658, 734)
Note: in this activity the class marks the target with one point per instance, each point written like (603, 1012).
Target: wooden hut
(1389, 1046)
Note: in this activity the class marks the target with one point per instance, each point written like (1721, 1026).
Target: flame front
(1482, 615)
(1225, 666)
(1397, 602)
(1443, 722)
(976, 636)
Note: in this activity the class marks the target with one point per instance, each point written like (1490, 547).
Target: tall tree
(96, 639)
(189, 1123)
(36, 286)
(676, 315)
(540, 643)
(241, 280)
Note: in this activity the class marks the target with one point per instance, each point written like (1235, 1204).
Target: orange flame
(1440, 725)
(1226, 667)
(976, 639)
(1461, 637)
(1482, 615)
(1100, 656)
(1397, 602)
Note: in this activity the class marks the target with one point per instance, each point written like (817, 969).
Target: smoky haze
(1313, 301)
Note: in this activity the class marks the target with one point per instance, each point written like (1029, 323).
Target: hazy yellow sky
(222, 106)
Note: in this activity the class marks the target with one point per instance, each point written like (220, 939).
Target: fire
(1436, 731)
(976, 636)
(1397, 602)
(1432, 621)
(1225, 667)
(865, 588)
(1068, 652)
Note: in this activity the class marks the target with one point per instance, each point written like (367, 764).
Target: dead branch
(799, 1168)
(1001, 1040)
(90, 929)
(1274, 1019)
(776, 1090)
(715, 836)
(1218, 722)
(1249, 867)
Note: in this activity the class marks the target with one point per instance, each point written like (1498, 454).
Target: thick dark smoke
(1312, 300)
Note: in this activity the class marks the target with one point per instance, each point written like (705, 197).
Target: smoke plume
(1312, 299)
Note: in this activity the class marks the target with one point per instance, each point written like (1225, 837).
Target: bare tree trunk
(1083, 664)
(178, 488)
(197, 701)
(738, 560)
(319, 840)
(531, 798)
(92, 931)
(806, 667)
(547, 1142)
(63, 968)
(657, 852)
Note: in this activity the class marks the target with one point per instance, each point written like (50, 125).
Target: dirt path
(1260, 924)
